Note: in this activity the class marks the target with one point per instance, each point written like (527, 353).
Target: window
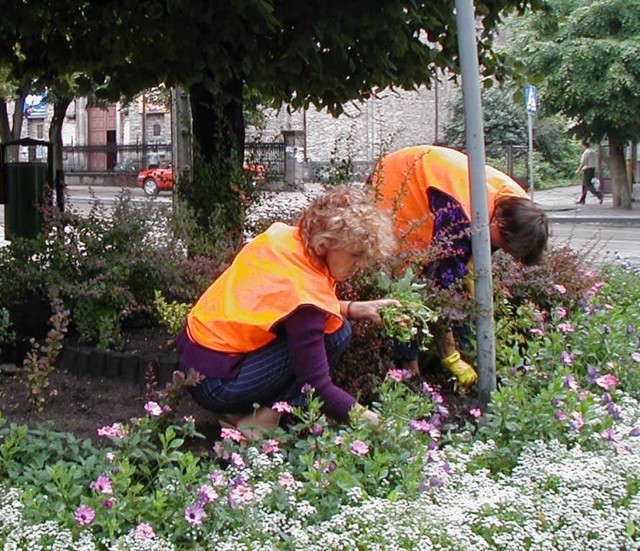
(40, 131)
(157, 130)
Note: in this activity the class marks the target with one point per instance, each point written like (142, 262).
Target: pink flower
(306, 388)
(102, 484)
(286, 480)
(239, 496)
(195, 514)
(153, 409)
(561, 289)
(338, 440)
(207, 494)
(561, 415)
(565, 327)
(475, 412)
(144, 530)
(536, 331)
(358, 447)
(84, 515)
(238, 461)
(282, 407)
(218, 479)
(270, 446)
(231, 434)
(395, 374)
(116, 431)
(561, 312)
(607, 381)
(635, 356)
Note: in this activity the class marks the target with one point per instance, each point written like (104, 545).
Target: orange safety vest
(401, 180)
(269, 278)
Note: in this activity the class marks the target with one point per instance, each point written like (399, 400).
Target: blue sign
(531, 99)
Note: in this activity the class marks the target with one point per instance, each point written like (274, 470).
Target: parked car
(154, 180)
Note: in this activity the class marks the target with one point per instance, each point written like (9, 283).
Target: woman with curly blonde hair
(272, 322)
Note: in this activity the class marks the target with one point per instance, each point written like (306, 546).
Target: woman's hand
(370, 309)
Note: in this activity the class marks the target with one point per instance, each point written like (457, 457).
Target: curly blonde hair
(346, 218)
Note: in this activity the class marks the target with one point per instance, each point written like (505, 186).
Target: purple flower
(635, 431)
(436, 482)
(317, 430)
(395, 374)
(630, 329)
(108, 503)
(613, 410)
(561, 415)
(592, 373)
(567, 358)
(358, 447)
(577, 421)
(84, 515)
(571, 383)
(195, 514)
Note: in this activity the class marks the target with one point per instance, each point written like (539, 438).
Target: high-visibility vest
(269, 278)
(401, 180)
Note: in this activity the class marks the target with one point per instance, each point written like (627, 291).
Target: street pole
(480, 236)
(530, 129)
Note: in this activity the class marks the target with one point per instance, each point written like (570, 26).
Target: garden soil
(82, 405)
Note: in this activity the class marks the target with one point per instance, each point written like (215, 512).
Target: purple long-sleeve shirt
(304, 331)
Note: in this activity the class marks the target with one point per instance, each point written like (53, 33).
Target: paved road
(598, 230)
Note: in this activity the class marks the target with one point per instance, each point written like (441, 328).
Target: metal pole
(480, 242)
(530, 129)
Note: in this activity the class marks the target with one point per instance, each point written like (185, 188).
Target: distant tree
(586, 52)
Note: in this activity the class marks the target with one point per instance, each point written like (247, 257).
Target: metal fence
(130, 159)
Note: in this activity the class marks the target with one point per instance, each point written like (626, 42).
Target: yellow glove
(462, 370)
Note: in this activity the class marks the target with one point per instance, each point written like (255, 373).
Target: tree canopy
(586, 52)
(301, 53)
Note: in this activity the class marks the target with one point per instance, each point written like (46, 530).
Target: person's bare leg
(255, 424)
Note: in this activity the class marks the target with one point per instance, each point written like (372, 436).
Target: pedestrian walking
(588, 167)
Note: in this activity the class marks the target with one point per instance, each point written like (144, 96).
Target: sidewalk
(559, 203)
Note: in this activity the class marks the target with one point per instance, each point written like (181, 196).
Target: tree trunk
(13, 131)
(55, 137)
(617, 166)
(216, 193)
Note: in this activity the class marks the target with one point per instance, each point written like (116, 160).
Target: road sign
(531, 99)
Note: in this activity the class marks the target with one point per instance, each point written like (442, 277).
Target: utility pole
(480, 236)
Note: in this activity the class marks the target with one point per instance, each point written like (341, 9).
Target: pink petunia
(282, 407)
(195, 514)
(395, 374)
(565, 327)
(84, 515)
(286, 480)
(145, 531)
(270, 446)
(153, 409)
(358, 447)
(607, 381)
(561, 289)
(231, 434)
(115, 431)
(561, 312)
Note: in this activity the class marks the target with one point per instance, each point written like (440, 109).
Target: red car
(154, 180)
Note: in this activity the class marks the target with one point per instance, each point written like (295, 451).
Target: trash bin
(24, 190)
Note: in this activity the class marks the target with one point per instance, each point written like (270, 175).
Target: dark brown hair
(524, 229)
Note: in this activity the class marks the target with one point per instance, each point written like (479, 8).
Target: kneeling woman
(272, 323)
